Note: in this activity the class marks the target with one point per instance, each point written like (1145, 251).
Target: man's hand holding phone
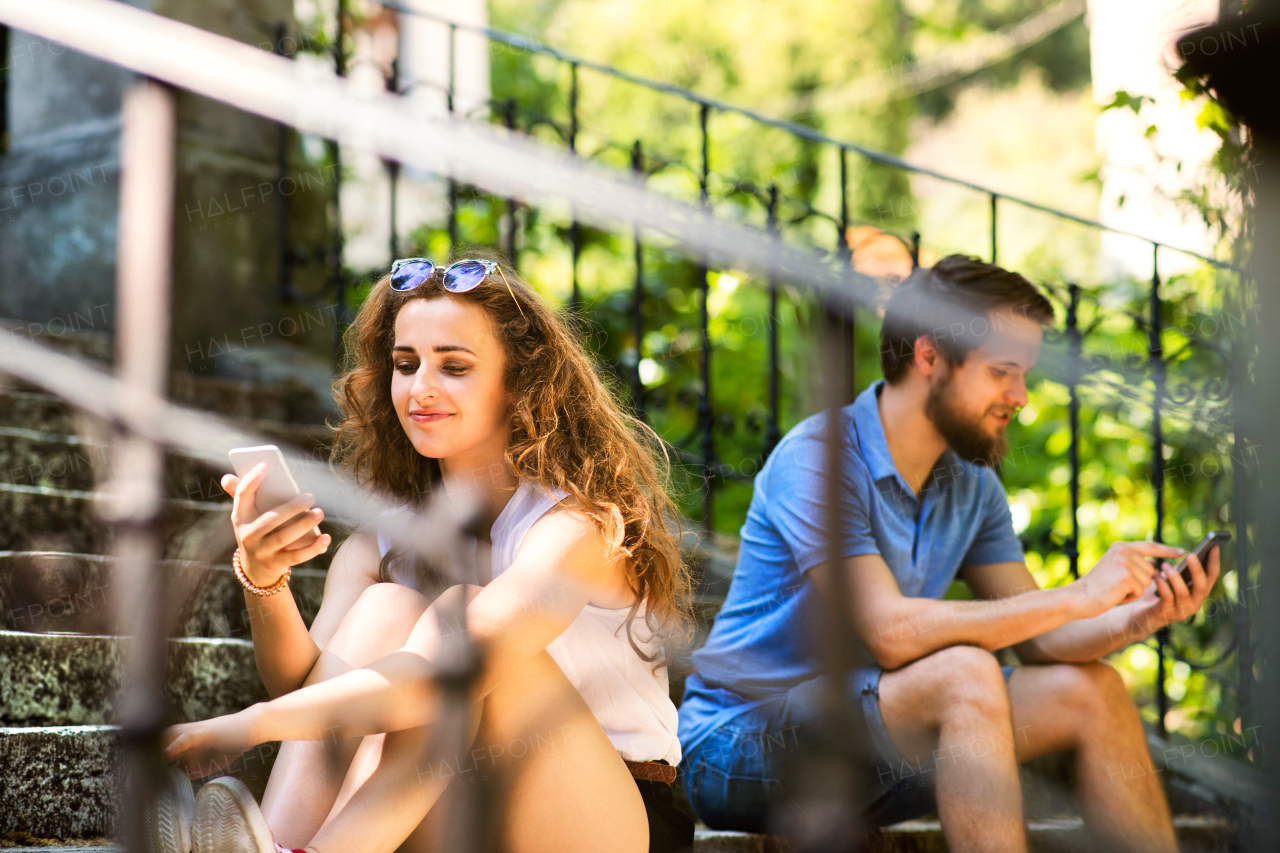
(1170, 598)
(1121, 576)
(278, 538)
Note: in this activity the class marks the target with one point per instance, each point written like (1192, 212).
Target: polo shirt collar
(875, 447)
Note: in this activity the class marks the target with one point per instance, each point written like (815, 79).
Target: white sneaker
(166, 823)
(227, 820)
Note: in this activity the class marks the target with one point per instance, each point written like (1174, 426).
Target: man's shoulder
(801, 455)
(811, 432)
(808, 438)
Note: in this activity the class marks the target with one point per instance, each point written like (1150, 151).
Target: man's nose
(1017, 392)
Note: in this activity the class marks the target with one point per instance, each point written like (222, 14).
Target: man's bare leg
(953, 704)
(1085, 709)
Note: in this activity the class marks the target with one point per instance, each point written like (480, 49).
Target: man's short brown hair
(952, 302)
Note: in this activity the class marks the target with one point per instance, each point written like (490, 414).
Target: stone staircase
(61, 672)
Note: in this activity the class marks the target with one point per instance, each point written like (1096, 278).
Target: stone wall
(59, 192)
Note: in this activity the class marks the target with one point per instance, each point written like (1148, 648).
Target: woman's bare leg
(308, 775)
(561, 784)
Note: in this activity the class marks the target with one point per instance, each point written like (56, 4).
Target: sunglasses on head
(459, 277)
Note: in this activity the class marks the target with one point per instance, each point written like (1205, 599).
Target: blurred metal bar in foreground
(471, 153)
(143, 295)
(828, 780)
(1237, 77)
(431, 531)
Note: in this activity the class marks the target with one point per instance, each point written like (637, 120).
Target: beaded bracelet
(251, 586)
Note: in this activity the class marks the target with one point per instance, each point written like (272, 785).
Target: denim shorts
(736, 777)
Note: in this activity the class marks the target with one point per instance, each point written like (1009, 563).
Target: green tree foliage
(784, 52)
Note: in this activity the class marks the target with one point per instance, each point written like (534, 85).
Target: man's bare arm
(1077, 641)
(1082, 640)
(898, 629)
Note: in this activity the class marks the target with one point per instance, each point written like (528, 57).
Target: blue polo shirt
(759, 645)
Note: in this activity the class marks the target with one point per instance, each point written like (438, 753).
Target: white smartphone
(277, 487)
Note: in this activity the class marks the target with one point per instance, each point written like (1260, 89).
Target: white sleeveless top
(631, 702)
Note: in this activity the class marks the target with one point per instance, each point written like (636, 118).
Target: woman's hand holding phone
(277, 539)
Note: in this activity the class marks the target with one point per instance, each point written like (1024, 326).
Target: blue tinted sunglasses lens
(411, 275)
(463, 276)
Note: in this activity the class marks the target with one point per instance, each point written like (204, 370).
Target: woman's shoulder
(565, 510)
(566, 524)
(569, 539)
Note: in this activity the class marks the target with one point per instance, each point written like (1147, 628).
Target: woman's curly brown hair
(567, 432)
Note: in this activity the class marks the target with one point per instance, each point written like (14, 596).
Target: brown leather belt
(652, 771)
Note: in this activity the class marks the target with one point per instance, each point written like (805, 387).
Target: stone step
(285, 402)
(63, 782)
(1195, 835)
(290, 399)
(76, 679)
(72, 462)
(71, 593)
(60, 782)
(245, 402)
(41, 518)
(48, 416)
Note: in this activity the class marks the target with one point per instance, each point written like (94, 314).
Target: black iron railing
(169, 55)
(1082, 373)
(1142, 384)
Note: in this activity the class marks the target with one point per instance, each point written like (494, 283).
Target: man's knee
(1091, 689)
(970, 678)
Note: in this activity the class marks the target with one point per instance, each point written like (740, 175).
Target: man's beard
(963, 433)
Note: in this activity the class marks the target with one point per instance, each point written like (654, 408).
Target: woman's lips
(428, 417)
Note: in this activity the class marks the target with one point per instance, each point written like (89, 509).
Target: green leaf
(1214, 117)
(1124, 99)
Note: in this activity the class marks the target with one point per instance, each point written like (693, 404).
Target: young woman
(463, 380)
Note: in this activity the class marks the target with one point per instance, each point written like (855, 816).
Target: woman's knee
(389, 597)
(449, 598)
(443, 617)
(378, 622)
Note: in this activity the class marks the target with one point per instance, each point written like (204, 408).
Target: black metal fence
(1206, 398)
(1139, 379)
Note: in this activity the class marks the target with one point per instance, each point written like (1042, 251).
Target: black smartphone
(1215, 537)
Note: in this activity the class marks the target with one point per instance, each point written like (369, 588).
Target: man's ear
(926, 356)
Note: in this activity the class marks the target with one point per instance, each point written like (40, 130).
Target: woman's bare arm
(269, 544)
(284, 649)
(562, 564)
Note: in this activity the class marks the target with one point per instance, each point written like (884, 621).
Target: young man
(924, 506)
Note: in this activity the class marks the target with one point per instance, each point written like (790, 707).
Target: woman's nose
(425, 387)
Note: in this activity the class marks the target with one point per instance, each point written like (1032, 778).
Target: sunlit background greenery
(1023, 125)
